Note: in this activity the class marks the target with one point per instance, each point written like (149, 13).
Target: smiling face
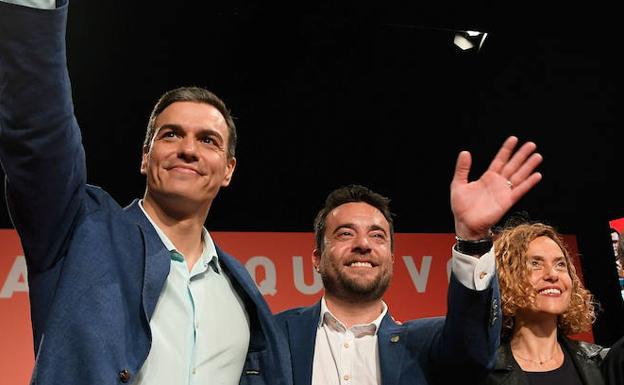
(538, 282)
(356, 261)
(549, 274)
(187, 162)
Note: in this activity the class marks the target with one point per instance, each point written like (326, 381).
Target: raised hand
(480, 204)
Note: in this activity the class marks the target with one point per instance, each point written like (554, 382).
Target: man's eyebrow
(377, 227)
(350, 226)
(169, 126)
(201, 131)
(210, 131)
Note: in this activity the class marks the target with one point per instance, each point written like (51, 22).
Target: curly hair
(518, 293)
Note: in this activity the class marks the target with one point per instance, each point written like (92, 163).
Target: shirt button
(482, 275)
(347, 377)
(346, 345)
(194, 370)
(124, 375)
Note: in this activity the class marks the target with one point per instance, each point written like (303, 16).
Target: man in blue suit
(140, 294)
(349, 336)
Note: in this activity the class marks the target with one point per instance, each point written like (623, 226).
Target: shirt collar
(209, 253)
(327, 318)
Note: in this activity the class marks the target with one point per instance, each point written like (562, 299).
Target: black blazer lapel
(391, 340)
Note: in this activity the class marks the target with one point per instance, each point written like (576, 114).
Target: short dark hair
(348, 194)
(192, 94)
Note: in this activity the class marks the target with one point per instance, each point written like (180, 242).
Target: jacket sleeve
(467, 345)
(40, 144)
(613, 364)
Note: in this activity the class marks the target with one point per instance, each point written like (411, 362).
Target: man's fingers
(503, 154)
(518, 160)
(526, 169)
(526, 185)
(462, 167)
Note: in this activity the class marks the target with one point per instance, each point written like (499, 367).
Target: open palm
(480, 204)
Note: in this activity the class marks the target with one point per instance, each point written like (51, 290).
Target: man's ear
(229, 171)
(316, 260)
(144, 160)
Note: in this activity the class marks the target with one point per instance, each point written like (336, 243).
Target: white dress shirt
(346, 356)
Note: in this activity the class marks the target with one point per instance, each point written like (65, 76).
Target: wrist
(474, 247)
(473, 232)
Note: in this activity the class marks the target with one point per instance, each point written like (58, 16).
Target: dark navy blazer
(95, 270)
(457, 349)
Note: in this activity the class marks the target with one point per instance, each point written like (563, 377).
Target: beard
(353, 288)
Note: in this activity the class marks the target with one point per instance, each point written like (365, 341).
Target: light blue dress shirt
(200, 329)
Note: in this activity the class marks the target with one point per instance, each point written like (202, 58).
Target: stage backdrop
(281, 265)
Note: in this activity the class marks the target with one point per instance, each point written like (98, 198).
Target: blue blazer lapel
(157, 260)
(257, 309)
(302, 329)
(238, 274)
(391, 340)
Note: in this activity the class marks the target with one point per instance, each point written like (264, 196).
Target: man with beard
(349, 337)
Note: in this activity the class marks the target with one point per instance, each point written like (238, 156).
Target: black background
(326, 94)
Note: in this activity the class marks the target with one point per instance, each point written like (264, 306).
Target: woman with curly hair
(543, 301)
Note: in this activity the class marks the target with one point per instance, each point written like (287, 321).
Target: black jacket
(613, 365)
(586, 357)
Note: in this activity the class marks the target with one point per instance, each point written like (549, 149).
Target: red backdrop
(617, 224)
(281, 265)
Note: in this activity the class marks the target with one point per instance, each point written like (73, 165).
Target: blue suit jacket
(95, 270)
(457, 349)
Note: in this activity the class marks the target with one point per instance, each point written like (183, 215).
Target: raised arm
(40, 143)
(473, 322)
(480, 204)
